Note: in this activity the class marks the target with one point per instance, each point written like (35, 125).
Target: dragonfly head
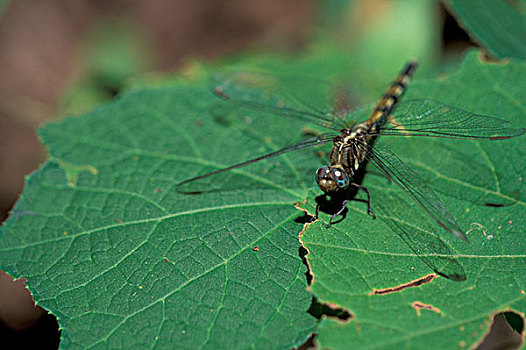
(332, 179)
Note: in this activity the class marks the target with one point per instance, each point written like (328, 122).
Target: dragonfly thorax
(348, 150)
(332, 178)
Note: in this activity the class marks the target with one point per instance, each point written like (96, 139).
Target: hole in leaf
(309, 344)
(318, 310)
(504, 333)
(515, 321)
(494, 205)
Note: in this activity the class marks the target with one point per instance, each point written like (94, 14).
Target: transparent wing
(430, 248)
(317, 102)
(413, 185)
(430, 118)
(311, 142)
(343, 101)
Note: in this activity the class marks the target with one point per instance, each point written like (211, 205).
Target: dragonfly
(355, 145)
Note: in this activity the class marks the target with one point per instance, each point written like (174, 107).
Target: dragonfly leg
(344, 205)
(364, 189)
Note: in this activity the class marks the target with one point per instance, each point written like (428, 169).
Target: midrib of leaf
(413, 255)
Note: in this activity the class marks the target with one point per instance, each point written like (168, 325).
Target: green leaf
(124, 260)
(497, 24)
(481, 182)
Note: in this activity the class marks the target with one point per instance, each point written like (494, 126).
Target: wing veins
(311, 142)
(426, 117)
(414, 186)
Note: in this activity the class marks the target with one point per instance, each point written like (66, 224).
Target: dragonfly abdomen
(387, 103)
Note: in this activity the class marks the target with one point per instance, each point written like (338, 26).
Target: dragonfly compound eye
(325, 181)
(321, 173)
(340, 178)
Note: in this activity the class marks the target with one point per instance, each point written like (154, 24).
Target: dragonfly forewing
(308, 143)
(424, 117)
(326, 106)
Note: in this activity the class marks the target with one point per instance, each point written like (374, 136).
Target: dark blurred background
(64, 57)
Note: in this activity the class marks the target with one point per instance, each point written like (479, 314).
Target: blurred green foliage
(499, 25)
(113, 52)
